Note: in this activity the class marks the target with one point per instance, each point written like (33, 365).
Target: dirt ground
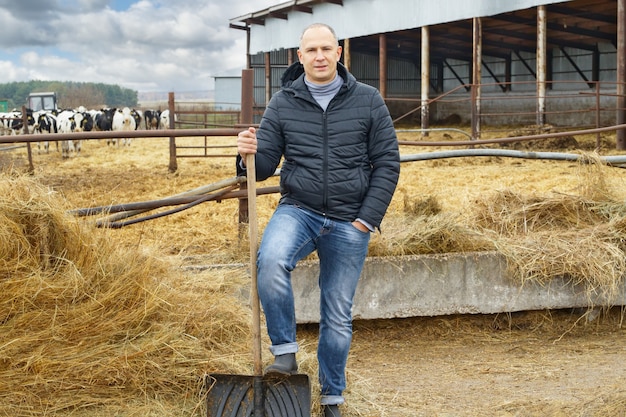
(544, 363)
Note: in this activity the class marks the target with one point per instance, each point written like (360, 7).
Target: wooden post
(172, 108)
(31, 167)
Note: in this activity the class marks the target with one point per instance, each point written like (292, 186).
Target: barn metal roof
(506, 26)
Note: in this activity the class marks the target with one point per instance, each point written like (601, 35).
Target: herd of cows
(81, 120)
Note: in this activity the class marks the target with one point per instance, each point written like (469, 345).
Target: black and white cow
(6, 121)
(45, 123)
(12, 123)
(138, 116)
(152, 119)
(69, 121)
(165, 119)
(123, 121)
(103, 119)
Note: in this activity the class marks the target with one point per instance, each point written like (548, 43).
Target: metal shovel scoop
(257, 395)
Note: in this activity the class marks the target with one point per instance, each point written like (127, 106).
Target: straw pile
(422, 228)
(579, 236)
(87, 323)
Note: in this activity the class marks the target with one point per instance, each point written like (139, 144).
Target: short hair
(319, 25)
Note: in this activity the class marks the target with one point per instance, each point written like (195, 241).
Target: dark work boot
(283, 365)
(331, 411)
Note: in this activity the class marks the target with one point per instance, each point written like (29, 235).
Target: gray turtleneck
(323, 93)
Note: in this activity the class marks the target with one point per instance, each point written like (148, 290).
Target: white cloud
(153, 45)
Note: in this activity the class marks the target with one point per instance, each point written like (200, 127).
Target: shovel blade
(234, 395)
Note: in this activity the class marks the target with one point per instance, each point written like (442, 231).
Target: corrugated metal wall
(565, 75)
(403, 77)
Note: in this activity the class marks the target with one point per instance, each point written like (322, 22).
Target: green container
(4, 105)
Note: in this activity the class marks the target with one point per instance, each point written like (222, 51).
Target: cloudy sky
(145, 45)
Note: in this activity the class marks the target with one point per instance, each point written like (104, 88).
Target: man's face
(319, 54)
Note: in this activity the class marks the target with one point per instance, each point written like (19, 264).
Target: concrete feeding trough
(431, 285)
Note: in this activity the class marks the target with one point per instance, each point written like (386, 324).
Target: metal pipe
(128, 134)
(613, 160)
(202, 199)
(518, 138)
(436, 129)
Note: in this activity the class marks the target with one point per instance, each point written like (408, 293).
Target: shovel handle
(253, 237)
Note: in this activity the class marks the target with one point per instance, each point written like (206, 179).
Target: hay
(577, 236)
(188, 324)
(426, 235)
(580, 237)
(86, 322)
(424, 229)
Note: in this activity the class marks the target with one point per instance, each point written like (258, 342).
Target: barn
(478, 62)
(227, 92)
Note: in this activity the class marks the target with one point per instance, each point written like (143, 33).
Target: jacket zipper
(325, 165)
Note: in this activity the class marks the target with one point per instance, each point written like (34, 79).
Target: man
(339, 172)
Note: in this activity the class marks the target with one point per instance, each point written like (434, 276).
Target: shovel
(257, 395)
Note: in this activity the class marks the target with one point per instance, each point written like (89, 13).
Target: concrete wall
(440, 285)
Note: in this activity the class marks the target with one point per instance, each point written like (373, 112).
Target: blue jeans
(291, 234)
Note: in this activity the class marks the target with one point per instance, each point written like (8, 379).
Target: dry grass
(576, 236)
(103, 322)
(88, 321)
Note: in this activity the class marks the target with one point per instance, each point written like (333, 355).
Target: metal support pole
(268, 78)
(346, 54)
(425, 89)
(476, 77)
(290, 56)
(598, 138)
(542, 34)
(248, 57)
(621, 73)
(382, 58)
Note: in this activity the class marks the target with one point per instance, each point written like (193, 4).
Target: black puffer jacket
(343, 163)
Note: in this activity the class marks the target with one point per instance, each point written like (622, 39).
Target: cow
(103, 119)
(138, 116)
(45, 123)
(12, 123)
(123, 121)
(152, 119)
(69, 121)
(6, 121)
(165, 119)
